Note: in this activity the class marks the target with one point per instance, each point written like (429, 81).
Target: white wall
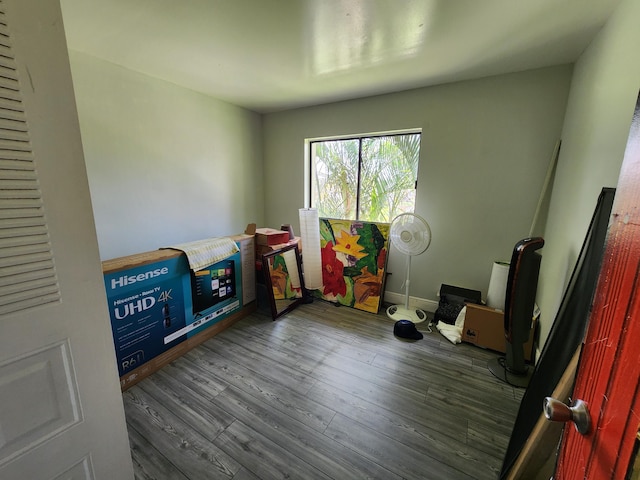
(486, 146)
(603, 94)
(165, 164)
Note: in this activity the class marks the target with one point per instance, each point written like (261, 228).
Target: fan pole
(406, 283)
(397, 312)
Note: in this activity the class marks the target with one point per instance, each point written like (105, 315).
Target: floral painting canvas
(354, 260)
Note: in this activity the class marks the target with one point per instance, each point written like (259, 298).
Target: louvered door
(61, 412)
(27, 276)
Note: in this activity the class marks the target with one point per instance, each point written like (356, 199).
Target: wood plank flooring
(323, 393)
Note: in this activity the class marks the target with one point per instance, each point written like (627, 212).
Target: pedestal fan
(411, 235)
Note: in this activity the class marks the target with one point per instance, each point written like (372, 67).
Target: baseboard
(414, 302)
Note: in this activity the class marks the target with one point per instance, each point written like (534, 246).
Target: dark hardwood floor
(323, 393)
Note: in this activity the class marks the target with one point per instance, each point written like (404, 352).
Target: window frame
(309, 171)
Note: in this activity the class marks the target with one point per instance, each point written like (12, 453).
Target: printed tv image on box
(213, 285)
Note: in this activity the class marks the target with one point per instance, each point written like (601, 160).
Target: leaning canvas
(354, 260)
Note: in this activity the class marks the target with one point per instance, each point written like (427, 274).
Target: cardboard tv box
(484, 327)
(160, 308)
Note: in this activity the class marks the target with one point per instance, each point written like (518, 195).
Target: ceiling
(270, 55)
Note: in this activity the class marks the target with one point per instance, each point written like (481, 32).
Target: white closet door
(61, 413)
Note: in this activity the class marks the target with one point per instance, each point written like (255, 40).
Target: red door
(609, 371)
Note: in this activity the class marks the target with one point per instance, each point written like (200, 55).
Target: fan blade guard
(410, 234)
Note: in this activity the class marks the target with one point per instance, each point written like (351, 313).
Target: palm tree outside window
(369, 178)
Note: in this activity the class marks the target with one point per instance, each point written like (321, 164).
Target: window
(370, 178)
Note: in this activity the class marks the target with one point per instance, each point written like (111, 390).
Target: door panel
(61, 413)
(80, 471)
(609, 371)
(39, 399)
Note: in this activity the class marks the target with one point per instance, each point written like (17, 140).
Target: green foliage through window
(368, 178)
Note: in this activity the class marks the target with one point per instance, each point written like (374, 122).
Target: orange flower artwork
(279, 281)
(367, 287)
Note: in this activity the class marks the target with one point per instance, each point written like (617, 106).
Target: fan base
(398, 312)
(501, 372)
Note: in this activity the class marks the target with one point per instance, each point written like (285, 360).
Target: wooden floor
(324, 393)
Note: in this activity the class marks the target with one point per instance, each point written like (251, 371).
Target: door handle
(578, 413)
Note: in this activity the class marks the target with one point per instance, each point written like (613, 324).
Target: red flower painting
(332, 272)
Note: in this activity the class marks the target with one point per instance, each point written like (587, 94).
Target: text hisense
(128, 280)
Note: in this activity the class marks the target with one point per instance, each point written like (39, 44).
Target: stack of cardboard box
(269, 240)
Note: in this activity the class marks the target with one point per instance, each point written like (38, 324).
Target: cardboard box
(247, 247)
(484, 327)
(270, 236)
(262, 249)
(156, 302)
